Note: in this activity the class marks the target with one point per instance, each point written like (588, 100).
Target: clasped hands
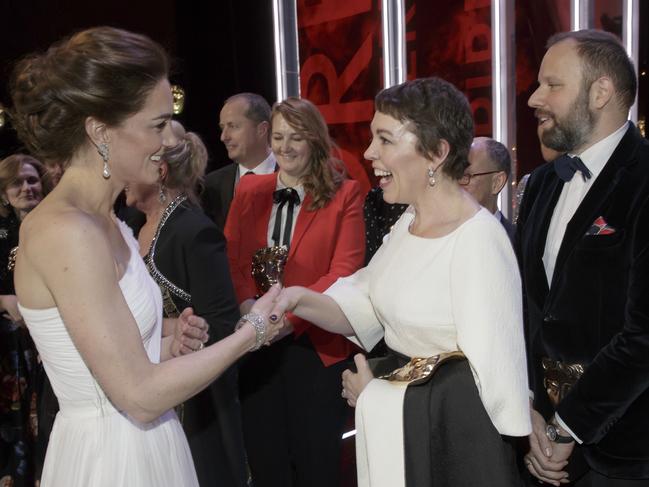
(547, 460)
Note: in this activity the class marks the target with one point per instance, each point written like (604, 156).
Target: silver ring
(201, 346)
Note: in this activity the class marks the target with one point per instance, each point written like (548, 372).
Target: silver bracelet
(258, 323)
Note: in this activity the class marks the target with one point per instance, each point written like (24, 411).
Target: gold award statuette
(268, 267)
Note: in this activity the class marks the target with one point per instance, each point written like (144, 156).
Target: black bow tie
(566, 166)
(281, 197)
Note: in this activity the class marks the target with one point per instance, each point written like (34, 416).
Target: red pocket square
(600, 227)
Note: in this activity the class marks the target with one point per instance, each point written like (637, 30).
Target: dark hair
(187, 162)
(258, 109)
(10, 167)
(432, 109)
(324, 174)
(102, 72)
(602, 54)
(499, 155)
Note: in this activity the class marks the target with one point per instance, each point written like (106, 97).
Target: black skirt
(449, 439)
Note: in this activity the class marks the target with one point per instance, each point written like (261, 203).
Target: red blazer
(327, 243)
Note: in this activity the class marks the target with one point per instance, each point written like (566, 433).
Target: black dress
(187, 259)
(18, 424)
(379, 217)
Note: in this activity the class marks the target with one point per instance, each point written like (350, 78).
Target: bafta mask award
(268, 267)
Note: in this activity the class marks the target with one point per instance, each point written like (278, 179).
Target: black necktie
(281, 197)
(249, 173)
(566, 166)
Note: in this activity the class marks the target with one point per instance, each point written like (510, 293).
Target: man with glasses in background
(488, 172)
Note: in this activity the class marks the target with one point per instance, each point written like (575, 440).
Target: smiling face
(136, 146)
(562, 102)
(25, 191)
(291, 150)
(401, 168)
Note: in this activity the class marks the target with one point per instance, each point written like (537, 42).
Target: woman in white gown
(444, 280)
(100, 102)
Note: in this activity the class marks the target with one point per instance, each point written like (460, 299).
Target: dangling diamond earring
(431, 177)
(103, 152)
(162, 196)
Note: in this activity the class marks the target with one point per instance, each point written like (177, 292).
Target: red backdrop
(340, 71)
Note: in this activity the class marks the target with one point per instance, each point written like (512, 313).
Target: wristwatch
(552, 432)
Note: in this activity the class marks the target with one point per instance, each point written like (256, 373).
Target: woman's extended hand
(354, 383)
(285, 302)
(190, 333)
(266, 305)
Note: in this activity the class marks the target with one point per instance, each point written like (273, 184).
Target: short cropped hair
(433, 109)
(499, 155)
(258, 109)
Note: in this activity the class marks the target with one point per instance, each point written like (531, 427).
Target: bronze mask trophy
(268, 266)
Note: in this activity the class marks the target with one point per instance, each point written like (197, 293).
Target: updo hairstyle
(102, 72)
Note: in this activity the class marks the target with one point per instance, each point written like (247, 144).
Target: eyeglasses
(466, 177)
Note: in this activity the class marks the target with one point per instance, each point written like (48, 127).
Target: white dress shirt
(574, 191)
(267, 166)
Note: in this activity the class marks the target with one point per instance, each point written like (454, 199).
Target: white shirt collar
(267, 166)
(596, 156)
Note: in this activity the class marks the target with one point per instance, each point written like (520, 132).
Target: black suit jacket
(509, 228)
(218, 192)
(189, 261)
(596, 309)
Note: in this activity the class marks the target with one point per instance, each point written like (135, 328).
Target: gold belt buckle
(419, 369)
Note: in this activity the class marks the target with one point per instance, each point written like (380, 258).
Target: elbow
(142, 414)
(140, 405)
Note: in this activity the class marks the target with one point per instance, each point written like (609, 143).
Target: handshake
(267, 314)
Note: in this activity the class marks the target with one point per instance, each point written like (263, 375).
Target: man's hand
(546, 460)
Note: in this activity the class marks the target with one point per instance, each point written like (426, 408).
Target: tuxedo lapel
(597, 197)
(542, 211)
(304, 219)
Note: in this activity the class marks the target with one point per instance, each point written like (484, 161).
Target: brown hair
(102, 72)
(9, 169)
(602, 54)
(187, 162)
(433, 109)
(324, 174)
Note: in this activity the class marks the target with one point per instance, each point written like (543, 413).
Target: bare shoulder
(61, 230)
(57, 243)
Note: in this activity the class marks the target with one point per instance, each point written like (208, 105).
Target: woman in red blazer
(292, 410)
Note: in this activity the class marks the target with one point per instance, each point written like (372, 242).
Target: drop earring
(104, 153)
(431, 177)
(162, 195)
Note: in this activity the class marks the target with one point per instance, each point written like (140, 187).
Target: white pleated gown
(92, 444)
